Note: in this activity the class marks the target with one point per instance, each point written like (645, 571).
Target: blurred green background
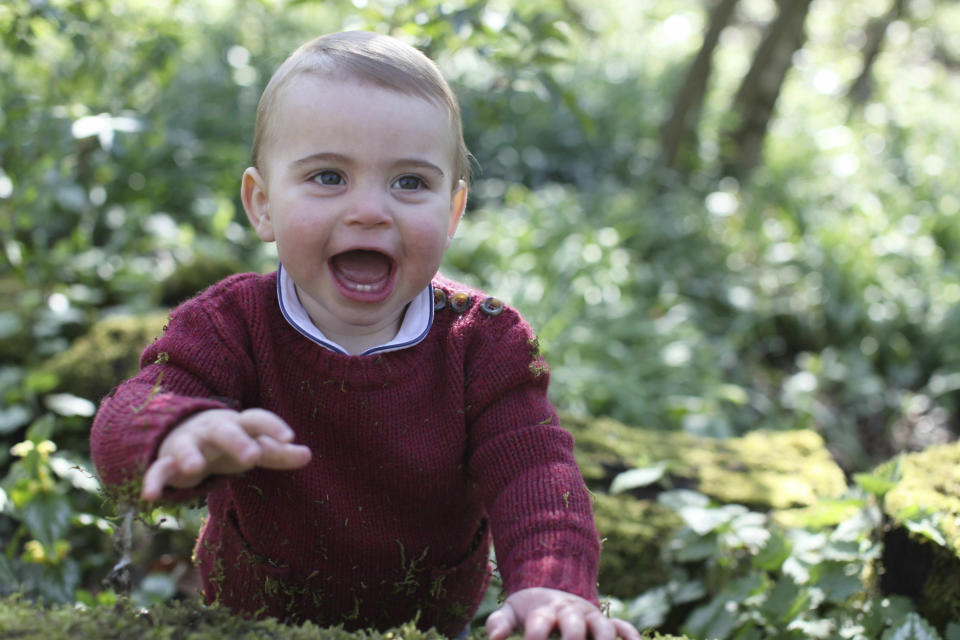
(719, 215)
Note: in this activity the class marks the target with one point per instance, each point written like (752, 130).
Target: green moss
(25, 620)
(762, 470)
(191, 278)
(106, 355)
(928, 490)
(930, 481)
(632, 532)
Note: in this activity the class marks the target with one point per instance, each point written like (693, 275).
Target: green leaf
(715, 619)
(13, 418)
(42, 428)
(649, 610)
(924, 524)
(875, 484)
(882, 479)
(67, 405)
(785, 601)
(636, 478)
(39, 381)
(912, 627)
(719, 617)
(679, 498)
(47, 516)
(7, 576)
(689, 546)
(773, 554)
(683, 591)
(704, 520)
(839, 581)
(10, 324)
(953, 631)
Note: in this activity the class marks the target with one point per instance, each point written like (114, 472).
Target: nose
(368, 208)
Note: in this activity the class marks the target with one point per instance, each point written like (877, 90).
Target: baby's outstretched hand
(222, 441)
(538, 611)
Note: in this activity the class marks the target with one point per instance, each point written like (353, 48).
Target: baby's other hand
(222, 441)
(538, 611)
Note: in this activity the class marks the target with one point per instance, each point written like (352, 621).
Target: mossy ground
(25, 620)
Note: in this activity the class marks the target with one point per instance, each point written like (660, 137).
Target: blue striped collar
(417, 319)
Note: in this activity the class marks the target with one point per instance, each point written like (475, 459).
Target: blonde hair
(382, 61)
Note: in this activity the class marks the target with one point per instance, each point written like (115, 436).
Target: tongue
(362, 267)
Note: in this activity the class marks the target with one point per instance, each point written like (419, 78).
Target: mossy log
(917, 562)
(765, 470)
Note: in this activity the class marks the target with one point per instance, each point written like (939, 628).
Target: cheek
(428, 237)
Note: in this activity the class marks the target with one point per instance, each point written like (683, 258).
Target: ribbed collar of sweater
(417, 318)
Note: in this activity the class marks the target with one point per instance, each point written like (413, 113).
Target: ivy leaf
(636, 478)
(912, 627)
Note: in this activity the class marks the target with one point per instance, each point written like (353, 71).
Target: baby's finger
(601, 627)
(571, 624)
(276, 455)
(539, 623)
(156, 476)
(237, 450)
(625, 630)
(260, 422)
(501, 623)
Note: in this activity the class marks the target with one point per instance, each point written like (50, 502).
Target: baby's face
(357, 188)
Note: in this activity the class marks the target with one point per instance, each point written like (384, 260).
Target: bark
(760, 87)
(680, 130)
(862, 88)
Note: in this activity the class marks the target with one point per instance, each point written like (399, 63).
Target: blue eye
(411, 183)
(328, 177)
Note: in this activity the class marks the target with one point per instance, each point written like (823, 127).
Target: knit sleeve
(200, 362)
(538, 504)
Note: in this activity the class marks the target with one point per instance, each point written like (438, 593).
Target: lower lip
(364, 293)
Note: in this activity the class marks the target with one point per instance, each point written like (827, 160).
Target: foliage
(737, 573)
(823, 293)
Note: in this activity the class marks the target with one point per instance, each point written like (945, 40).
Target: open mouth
(363, 275)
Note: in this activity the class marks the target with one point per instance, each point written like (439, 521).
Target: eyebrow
(327, 156)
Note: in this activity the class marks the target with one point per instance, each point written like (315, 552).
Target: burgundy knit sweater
(419, 455)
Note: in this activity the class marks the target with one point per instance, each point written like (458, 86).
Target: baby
(361, 426)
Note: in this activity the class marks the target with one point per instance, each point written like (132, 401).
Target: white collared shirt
(417, 319)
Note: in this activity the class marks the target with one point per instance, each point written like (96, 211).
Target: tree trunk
(760, 87)
(862, 88)
(679, 133)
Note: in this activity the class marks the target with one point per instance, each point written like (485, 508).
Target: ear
(256, 202)
(458, 203)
